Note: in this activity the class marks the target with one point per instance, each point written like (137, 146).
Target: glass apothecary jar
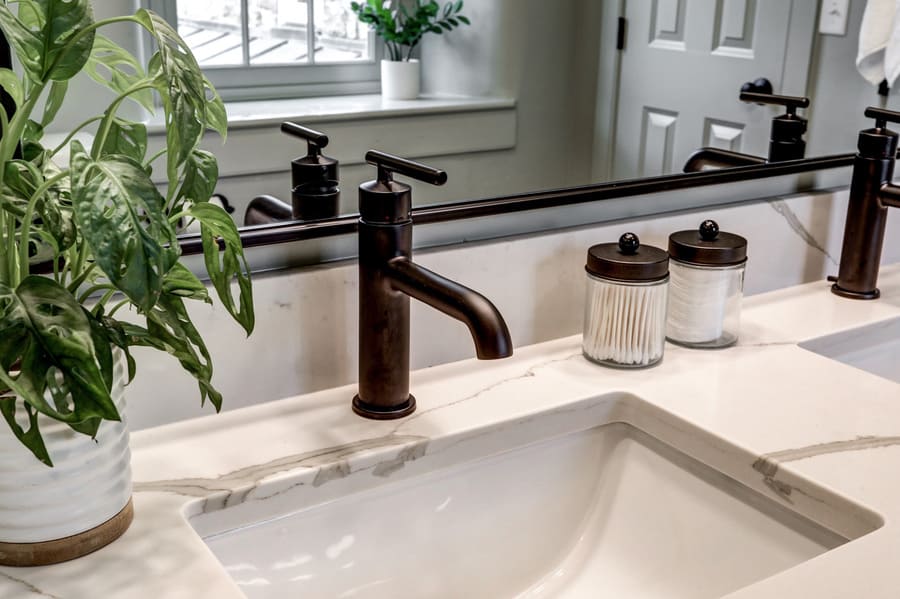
(706, 286)
(625, 304)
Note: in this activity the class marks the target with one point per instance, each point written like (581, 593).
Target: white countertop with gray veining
(803, 416)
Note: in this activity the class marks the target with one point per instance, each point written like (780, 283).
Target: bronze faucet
(785, 143)
(388, 278)
(871, 194)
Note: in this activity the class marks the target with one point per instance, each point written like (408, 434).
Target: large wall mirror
(537, 95)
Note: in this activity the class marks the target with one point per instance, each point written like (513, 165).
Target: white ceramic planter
(400, 79)
(88, 486)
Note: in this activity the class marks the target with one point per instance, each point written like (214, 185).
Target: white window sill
(425, 127)
(263, 113)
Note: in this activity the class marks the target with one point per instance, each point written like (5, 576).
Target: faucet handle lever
(315, 139)
(388, 163)
(791, 103)
(882, 116)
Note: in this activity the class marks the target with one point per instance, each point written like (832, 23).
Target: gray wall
(838, 93)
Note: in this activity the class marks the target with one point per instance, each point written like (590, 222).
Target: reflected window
(254, 49)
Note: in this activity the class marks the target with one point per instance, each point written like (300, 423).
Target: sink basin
(542, 508)
(874, 348)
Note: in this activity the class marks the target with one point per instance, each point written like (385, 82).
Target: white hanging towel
(879, 42)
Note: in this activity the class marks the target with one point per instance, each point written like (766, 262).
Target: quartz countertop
(800, 413)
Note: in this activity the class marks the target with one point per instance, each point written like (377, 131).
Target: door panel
(680, 75)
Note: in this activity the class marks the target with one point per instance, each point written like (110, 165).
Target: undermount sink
(543, 507)
(874, 348)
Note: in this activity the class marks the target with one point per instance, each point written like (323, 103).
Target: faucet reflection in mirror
(315, 194)
(871, 194)
(388, 278)
(786, 141)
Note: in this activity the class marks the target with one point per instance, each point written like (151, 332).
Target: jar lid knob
(709, 230)
(629, 244)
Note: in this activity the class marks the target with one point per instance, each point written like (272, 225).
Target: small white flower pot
(49, 515)
(400, 79)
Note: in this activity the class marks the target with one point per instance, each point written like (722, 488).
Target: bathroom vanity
(762, 470)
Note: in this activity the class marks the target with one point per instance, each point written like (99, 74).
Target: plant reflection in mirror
(402, 28)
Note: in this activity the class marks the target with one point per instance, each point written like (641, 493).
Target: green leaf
(464, 19)
(43, 35)
(120, 215)
(216, 116)
(10, 82)
(125, 138)
(55, 225)
(215, 224)
(32, 437)
(54, 101)
(116, 68)
(32, 134)
(102, 347)
(201, 172)
(184, 91)
(54, 343)
(14, 332)
(169, 329)
(28, 44)
(113, 333)
(182, 282)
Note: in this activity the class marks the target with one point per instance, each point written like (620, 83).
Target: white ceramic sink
(874, 348)
(532, 510)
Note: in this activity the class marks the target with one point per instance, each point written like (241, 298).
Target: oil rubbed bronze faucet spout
(388, 278)
(487, 326)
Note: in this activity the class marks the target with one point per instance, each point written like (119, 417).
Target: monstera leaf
(189, 101)
(215, 226)
(42, 36)
(169, 329)
(120, 215)
(45, 330)
(114, 67)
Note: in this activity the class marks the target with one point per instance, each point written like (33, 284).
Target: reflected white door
(681, 71)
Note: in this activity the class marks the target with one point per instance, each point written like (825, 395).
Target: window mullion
(245, 32)
(310, 32)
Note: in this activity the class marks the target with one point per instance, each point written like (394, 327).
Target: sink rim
(359, 467)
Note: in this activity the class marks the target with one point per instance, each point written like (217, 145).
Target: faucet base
(858, 295)
(367, 410)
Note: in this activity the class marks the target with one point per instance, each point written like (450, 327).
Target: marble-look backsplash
(306, 331)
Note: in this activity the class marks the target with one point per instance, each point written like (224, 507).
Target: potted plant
(402, 29)
(106, 239)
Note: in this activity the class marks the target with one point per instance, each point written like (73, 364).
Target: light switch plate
(833, 17)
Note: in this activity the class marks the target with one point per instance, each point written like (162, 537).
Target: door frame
(804, 17)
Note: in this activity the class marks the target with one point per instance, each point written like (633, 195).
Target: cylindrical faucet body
(383, 324)
(864, 229)
(873, 169)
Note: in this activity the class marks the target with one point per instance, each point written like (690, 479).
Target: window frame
(267, 82)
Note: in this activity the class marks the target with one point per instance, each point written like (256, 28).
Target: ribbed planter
(49, 515)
